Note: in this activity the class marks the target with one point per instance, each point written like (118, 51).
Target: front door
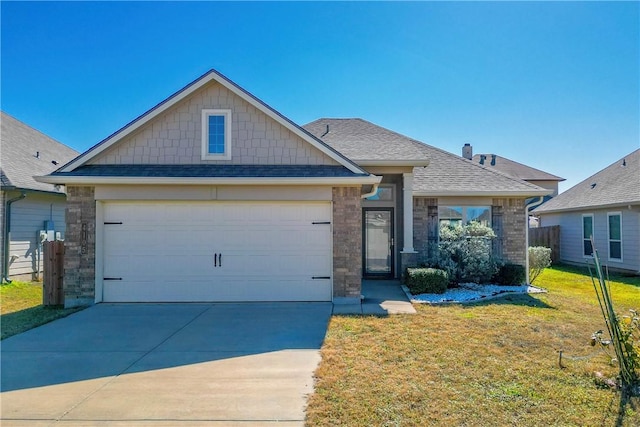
(377, 257)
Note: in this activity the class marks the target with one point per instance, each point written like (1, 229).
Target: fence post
(53, 293)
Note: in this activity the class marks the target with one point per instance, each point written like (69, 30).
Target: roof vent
(482, 159)
(467, 151)
(493, 160)
(593, 185)
(37, 156)
(54, 162)
(624, 162)
(326, 132)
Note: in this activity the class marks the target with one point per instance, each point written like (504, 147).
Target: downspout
(7, 235)
(373, 191)
(530, 206)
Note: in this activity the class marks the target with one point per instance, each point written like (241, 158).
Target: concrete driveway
(165, 364)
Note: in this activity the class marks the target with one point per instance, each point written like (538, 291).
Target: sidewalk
(381, 298)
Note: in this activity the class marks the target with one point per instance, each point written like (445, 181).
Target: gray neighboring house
(30, 206)
(605, 205)
(212, 195)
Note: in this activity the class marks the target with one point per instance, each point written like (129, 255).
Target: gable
(174, 136)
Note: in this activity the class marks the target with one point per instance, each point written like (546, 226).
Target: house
(606, 206)
(516, 170)
(27, 206)
(212, 195)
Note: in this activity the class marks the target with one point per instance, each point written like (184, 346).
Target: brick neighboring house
(212, 195)
(28, 206)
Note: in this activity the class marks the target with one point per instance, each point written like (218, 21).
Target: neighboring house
(516, 170)
(214, 196)
(28, 206)
(605, 205)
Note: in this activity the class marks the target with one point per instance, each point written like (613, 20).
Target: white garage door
(217, 251)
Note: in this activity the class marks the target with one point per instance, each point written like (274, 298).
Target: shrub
(539, 259)
(426, 280)
(510, 274)
(465, 253)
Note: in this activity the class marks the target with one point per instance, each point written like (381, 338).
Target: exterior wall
(571, 249)
(27, 219)
(2, 199)
(347, 244)
(174, 137)
(511, 231)
(80, 248)
(514, 230)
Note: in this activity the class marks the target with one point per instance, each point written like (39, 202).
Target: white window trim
(585, 237)
(610, 214)
(205, 134)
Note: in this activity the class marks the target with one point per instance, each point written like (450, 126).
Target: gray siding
(174, 137)
(571, 236)
(27, 218)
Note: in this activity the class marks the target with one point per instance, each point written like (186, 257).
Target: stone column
(408, 255)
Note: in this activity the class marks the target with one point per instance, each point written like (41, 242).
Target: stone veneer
(347, 244)
(80, 247)
(508, 222)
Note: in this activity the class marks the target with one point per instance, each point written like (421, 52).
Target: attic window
(216, 134)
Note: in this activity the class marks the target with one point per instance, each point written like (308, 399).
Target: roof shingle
(617, 184)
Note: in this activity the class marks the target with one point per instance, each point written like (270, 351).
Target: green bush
(510, 274)
(465, 253)
(426, 280)
(539, 259)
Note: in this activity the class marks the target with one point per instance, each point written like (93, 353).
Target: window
(614, 226)
(216, 134)
(587, 233)
(460, 215)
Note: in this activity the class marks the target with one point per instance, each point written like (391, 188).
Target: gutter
(7, 235)
(530, 206)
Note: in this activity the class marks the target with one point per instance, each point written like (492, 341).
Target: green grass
(490, 363)
(21, 308)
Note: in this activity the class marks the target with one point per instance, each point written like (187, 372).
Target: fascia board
(101, 180)
(481, 193)
(414, 163)
(586, 208)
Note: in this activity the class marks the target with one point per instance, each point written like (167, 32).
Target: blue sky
(554, 85)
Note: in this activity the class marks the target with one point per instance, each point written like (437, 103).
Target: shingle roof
(617, 184)
(26, 153)
(447, 173)
(514, 169)
(211, 171)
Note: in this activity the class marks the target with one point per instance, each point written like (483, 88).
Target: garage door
(217, 251)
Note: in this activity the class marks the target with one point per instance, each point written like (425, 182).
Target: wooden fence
(548, 237)
(53, 256)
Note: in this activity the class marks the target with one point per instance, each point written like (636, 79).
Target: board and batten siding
(571, 236)
(175, 136)
(27, 219)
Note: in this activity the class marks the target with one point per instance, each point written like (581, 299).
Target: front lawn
(21, 308)
(490, 363)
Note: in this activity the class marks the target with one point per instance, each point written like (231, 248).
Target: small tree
(539, 259)
(465, 253)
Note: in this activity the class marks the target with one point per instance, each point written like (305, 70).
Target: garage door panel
(165, 251)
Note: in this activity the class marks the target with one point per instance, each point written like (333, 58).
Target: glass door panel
(378, 242)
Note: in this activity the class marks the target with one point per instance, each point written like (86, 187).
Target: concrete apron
(165, 364)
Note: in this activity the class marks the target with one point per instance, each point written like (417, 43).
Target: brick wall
(514, 227)
(347, 242)
(174, 137)
(80, 254)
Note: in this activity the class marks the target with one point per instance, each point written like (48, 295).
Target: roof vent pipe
(326, 132)
(493, 160)
(467, 151)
